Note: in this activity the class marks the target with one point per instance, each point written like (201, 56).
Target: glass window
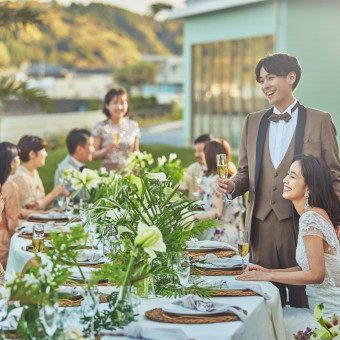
(224, 89)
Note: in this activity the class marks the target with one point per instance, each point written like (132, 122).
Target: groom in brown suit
(270, 139)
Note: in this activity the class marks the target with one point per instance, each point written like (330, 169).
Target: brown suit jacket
(317, 136)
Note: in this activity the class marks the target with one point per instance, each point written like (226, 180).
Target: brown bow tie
(285, 116)
(276, 117)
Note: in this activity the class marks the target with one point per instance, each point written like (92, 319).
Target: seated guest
(32, 194)
(309, 186)
(229, 213)
(80, 148)
(195, 170)
(9, 161)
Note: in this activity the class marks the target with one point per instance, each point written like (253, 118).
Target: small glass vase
(125, 305)
(148, 289)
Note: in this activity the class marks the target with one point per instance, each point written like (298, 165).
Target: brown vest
(270, 185)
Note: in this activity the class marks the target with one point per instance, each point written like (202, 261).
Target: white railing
(12, 128)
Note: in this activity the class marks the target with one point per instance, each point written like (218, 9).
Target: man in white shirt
(80, 145)
(270, 139)
(195, 170)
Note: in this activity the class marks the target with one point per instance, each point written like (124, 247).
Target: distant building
(169, 79)
(62, 83)
(223, 41)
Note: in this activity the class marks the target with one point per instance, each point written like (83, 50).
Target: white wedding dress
(328, 292)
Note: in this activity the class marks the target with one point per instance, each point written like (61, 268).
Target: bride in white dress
(308, 185)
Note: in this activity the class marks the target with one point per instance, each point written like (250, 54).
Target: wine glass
(90, 305)
(222, 169)
(199, 181)
(61, 200)
(69, 208)
(48, 315)
(183, 269)
(243, 245)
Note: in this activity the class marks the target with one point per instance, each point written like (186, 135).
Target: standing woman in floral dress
(116, 137)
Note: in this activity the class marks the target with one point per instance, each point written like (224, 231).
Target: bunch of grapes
(303, 335)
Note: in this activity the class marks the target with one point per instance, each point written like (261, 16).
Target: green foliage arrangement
(329, 328)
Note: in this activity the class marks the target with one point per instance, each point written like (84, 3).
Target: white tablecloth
(264, 320)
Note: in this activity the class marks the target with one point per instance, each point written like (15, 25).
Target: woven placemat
(30, 236)
(102, 283)
(77, 303)
(45, 220)
(159, 315)
(217, 272)
(218, 253)
(234, 292)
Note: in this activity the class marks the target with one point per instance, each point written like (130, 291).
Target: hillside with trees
(96, 36)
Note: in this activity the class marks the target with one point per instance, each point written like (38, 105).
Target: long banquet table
(264, 319)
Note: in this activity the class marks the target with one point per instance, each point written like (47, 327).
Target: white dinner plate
(203, 250)
(176, 309)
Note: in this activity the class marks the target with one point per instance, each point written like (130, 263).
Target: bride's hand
(254, 275)
(256, 268)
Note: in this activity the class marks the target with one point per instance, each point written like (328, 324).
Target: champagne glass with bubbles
(222, 169)
(243, 245)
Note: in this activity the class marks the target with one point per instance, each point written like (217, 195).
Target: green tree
(12, 19)
(157, 7)
(136, 75)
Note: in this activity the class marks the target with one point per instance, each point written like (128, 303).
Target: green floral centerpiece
(39, 285)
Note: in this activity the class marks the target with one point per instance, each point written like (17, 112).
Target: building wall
(235, 23)
(313, 36)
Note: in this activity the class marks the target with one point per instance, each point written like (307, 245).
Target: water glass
(38, 237)
(183, 269)
(90, 305)
(109, 245)
(48, 315)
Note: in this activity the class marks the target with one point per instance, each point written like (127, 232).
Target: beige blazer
(317, 135)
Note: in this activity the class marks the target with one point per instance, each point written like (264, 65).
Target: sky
(139, 6)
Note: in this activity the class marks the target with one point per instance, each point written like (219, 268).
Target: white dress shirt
(281, 134)
(79, 164)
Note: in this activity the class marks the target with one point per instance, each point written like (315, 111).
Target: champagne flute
(243, 245)
(222, 170)
(116, 137)
(38, 237)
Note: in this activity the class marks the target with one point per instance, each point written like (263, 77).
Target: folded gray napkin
(195, 302)
(221, 262)
(194, 243)
(134, 330)
(76, 274)
(72, 290)
(239, 285)
(89, 255)
(12, 319)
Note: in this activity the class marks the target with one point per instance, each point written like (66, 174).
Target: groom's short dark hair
(76, 137)
(280, 64)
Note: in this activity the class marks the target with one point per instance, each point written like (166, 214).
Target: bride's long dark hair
(318, 179)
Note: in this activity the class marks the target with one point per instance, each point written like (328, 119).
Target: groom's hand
(225, 186)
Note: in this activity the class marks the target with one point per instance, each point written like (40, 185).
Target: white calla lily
(150, 239)
(161, 176)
